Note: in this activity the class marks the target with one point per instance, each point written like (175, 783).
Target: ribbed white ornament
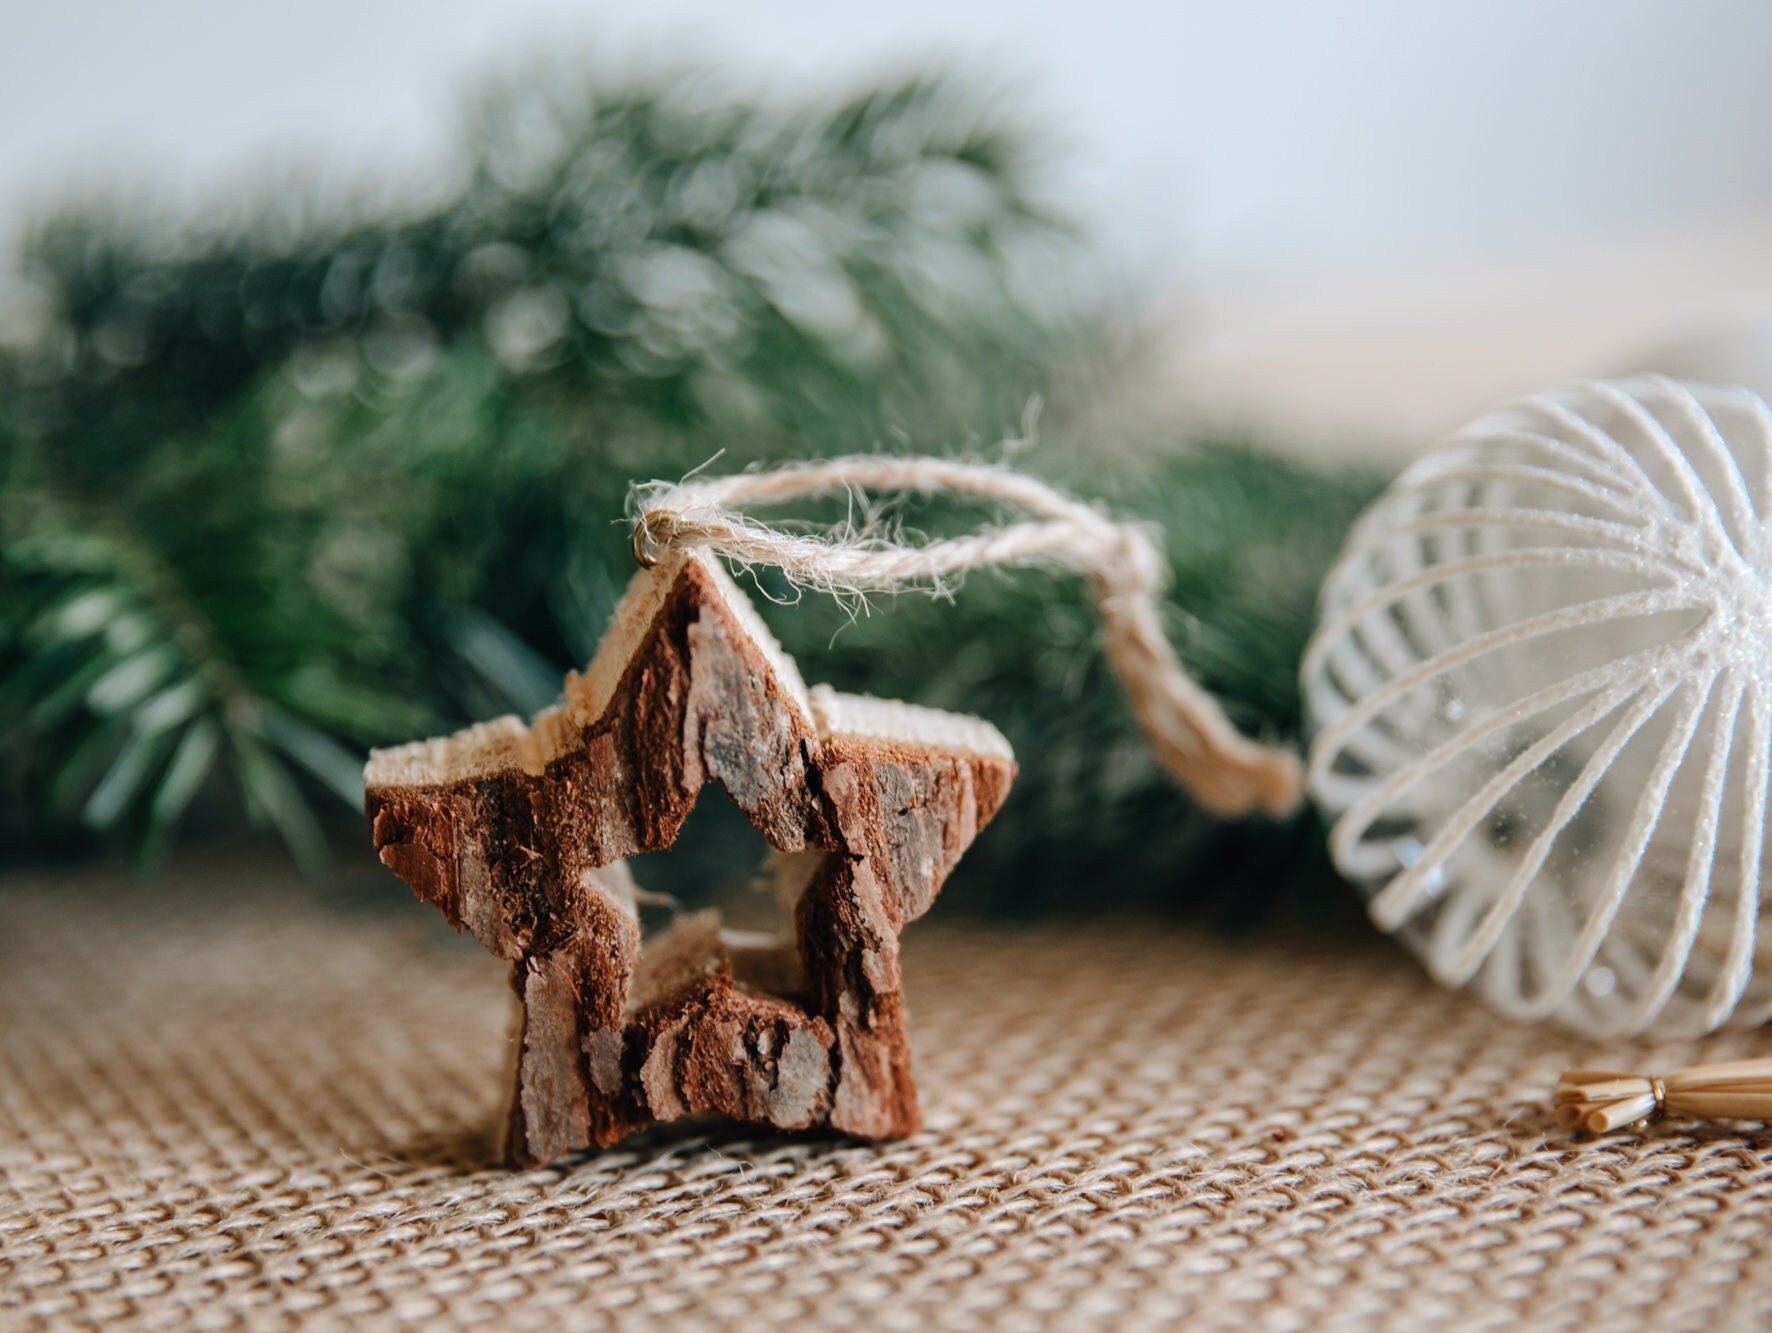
(1539, 698)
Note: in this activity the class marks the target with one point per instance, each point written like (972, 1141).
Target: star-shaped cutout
(520, 835)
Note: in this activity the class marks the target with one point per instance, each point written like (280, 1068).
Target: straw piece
(1598, 1100)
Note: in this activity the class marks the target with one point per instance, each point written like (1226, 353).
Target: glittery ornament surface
(1540, 712)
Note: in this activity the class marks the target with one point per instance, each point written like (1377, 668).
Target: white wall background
(1541, 185)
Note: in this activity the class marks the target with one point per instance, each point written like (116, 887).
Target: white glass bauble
(1540, 697)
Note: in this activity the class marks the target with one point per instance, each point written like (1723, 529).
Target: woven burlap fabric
(235, 1103)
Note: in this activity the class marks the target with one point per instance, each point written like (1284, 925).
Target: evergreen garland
(272, 494)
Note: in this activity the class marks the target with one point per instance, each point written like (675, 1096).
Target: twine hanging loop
(1223, 770)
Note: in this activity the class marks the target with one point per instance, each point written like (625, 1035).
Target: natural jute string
(1223, 770)
(1601, 1099)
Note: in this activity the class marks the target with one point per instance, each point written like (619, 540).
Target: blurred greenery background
(343, 471)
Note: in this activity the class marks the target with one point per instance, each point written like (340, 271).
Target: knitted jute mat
(230, 1101)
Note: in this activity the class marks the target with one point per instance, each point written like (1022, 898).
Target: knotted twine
(1223, 770)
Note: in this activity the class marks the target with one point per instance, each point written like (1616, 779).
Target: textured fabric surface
(234, 1102)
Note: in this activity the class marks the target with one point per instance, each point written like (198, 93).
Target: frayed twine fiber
(1223, 770)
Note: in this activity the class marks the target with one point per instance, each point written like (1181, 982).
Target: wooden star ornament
(520, 834)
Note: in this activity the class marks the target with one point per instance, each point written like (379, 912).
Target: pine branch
(270, 495)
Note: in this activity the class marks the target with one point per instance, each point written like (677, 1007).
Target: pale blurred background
(1363, 221)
